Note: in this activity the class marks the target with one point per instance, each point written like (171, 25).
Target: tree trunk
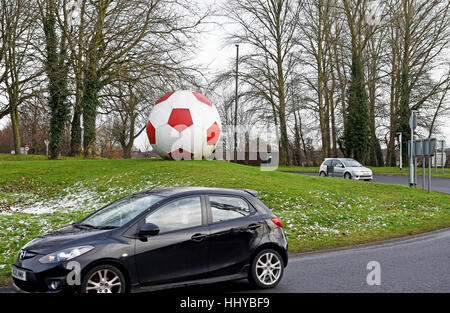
(126, 151)
(15, 128)
(327, 122)
(333, 131)
(57, 72)
(90, 103)
(75, 134)
(285, 158)
(404, 109)
(298, 149)
(391, 159)
(372, 98)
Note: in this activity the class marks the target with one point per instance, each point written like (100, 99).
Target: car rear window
(226, 208)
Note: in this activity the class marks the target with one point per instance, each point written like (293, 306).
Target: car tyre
(104, 279)
(322, 174)
(266, 270)
(348, 176)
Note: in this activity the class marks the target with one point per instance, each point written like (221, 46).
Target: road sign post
(415, 167)
(419, 152)
(426, 153)
(429, 174)
(432, 149)
(443, 153)
(435, 158)
(429, 148)
(423, 172)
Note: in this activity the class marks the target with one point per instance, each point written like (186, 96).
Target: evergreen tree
(357, 131)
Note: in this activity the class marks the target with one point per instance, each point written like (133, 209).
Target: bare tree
(374, 60)
(113, 37)
(420, 33)
(127, 102)
(319, 21)
(268, 29)
(19, 68)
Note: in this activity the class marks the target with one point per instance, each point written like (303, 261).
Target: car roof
(338, 159)
(175, 191)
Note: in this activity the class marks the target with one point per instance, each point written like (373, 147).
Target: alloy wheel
(104, 281)
(268, 268)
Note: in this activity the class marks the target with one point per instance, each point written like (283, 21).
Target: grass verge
(39, 196)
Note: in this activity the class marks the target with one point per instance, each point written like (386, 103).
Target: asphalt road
(415, 264)
(418, 263)
(437, 183)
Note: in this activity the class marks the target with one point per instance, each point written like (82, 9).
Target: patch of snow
(84, 196)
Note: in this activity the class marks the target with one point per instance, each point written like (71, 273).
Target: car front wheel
(103, 279)
(348, 176)
(267, 269)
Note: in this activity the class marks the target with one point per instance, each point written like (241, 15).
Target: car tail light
(277, 221)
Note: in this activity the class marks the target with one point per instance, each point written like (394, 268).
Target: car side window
(337, 163)
(327, 162)
(178, 214)
(226, 208)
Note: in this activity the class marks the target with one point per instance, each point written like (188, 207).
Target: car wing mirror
(149, 229)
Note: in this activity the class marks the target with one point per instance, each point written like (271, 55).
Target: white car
(346, 168)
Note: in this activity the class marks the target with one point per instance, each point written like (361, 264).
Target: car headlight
(65, 255)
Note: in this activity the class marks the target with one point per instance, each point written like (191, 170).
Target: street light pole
(401, 149)
(46, 142)
(236, 104)
(413, 126)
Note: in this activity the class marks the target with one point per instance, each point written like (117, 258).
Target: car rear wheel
(104, 279)
(322, 174)
(267, 269)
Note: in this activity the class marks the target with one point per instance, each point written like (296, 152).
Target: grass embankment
(376, 170)
(39, 196)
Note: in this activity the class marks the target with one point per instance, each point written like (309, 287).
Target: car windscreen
(327, 163)
(351, 163)
(120, 212)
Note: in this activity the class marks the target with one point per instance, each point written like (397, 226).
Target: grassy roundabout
(37, 196)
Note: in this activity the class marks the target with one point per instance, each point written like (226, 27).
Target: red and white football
(184, 125)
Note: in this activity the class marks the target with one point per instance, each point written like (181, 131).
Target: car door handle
(254, 226)
(198, 237)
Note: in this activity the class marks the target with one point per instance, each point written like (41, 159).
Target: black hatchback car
(158, 239)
